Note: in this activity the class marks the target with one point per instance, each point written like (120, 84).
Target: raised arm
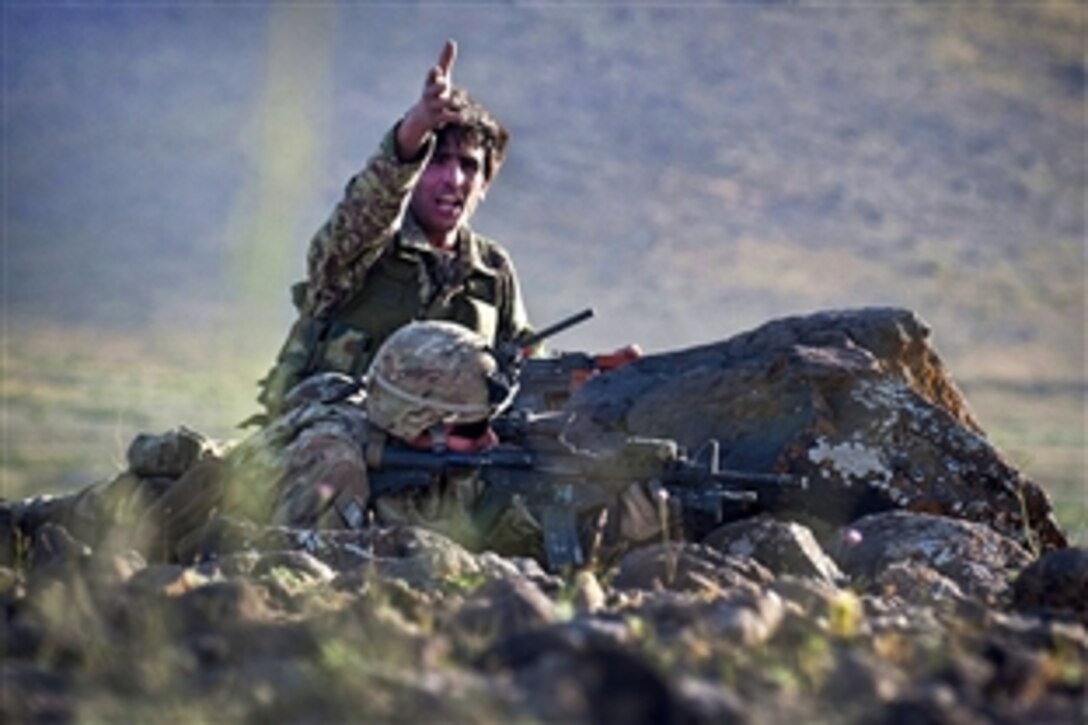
(366, 219)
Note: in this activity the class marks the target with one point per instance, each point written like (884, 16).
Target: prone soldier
(417, 446)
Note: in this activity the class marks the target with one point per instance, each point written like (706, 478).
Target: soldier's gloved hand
(643, 512)
(437, 106)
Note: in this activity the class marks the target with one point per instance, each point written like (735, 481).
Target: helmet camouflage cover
(432, 372)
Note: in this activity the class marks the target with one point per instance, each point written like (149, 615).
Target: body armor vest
(391, 297)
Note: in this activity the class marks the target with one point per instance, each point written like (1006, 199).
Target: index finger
(449, 54)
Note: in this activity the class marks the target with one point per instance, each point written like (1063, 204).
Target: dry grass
(1040, 426)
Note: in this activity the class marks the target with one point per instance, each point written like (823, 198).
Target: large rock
(857, 400)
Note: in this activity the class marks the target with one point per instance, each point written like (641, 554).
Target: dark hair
(479, 128)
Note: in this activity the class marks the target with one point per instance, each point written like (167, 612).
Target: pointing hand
(435, 108)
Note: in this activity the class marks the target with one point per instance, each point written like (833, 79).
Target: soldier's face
(451, 186)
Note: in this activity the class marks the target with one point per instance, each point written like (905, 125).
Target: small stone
(1057, 583)
(504, 607)
(687, 567)
(784, 547)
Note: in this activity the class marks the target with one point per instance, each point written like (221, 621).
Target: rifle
(558, 482)
(546, 383)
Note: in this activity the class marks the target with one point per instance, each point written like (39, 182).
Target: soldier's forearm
(366, 218)
(411, 138)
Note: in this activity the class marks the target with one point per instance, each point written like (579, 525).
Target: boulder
(979, 561)
(857, 400)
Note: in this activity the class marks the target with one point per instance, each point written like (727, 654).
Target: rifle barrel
(555, 329)
(782, 480)
(397, 457)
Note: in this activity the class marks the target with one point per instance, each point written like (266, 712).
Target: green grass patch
(73, 398)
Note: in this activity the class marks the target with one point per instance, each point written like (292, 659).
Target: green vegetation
(73, 399)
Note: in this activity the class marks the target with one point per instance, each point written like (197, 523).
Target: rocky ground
(921, 579)
(901, 618)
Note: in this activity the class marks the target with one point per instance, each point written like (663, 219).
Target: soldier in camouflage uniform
(398, 247)
(432, 384)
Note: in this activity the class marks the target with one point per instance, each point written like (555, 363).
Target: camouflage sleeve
(361, 226)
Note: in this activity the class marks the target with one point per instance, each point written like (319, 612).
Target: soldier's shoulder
(492, 252)
(322, 388)
(322, 402)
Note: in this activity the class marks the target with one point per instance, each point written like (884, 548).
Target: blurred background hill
(688, 170)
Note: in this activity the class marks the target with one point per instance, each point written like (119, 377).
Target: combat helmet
(432, 372)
